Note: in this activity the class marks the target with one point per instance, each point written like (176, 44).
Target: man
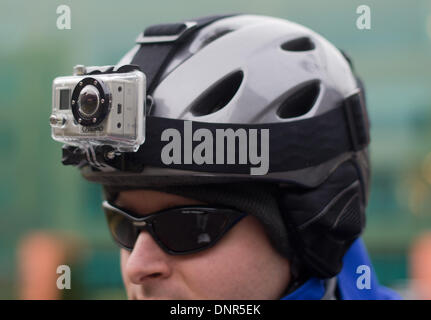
(252, 181)
(243, 264)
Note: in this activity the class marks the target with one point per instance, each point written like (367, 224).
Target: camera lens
(91, 102)
(88, 101)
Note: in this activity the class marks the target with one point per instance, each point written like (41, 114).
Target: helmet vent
(218, 96)
(300, 101)
(299, 44)
(215, 36)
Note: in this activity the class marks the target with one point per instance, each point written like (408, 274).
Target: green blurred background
(38, 193)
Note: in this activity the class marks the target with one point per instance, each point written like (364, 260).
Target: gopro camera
(100, 108)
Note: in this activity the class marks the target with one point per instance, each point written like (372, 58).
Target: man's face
(242, 265)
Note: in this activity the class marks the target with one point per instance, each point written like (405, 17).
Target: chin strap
(330, 289)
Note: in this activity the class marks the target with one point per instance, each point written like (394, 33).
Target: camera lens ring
(100, 110)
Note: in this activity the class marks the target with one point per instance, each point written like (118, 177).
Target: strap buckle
(142, 38)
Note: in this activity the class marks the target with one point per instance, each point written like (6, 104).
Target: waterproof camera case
(100, 108)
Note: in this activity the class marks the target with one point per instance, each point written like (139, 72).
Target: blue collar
(314, 288)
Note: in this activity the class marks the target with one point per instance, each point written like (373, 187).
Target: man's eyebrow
(128, 208)
(165, 205)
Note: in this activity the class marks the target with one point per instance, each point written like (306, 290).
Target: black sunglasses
(179, 230)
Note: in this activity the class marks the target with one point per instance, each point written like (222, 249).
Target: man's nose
(147, 260)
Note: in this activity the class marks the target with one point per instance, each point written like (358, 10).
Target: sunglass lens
(121, 229)
(182, 232)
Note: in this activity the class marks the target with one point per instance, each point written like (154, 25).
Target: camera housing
(100, 109)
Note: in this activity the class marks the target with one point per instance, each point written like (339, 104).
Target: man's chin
(158, 293)
(145, 298)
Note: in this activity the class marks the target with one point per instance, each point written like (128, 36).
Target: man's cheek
(124, 256)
